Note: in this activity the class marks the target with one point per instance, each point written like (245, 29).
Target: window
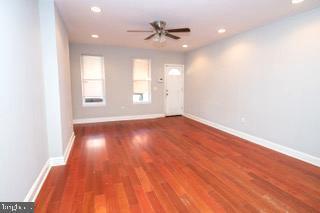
(92, 79)
(141, 81)
(174, 71)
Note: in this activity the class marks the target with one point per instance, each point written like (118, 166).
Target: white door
(174, 82)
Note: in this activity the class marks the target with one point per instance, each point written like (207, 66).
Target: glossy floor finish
(175, 165)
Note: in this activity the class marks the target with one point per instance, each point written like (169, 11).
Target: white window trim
(103, 103)
(149, 80)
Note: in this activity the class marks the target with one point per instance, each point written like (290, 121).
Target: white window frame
(85, 104)
(149, 82)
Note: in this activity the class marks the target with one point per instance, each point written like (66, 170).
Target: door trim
(165, 87)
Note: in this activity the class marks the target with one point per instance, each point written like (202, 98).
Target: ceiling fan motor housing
(161, 25)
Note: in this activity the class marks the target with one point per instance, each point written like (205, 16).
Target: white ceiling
(204, 17)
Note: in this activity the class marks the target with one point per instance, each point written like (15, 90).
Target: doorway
(174, 89)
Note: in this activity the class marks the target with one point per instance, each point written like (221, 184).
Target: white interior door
(174, 89)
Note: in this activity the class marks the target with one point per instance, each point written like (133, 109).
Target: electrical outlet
(243, 120)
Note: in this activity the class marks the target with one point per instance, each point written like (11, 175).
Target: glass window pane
(174, 71)
(137, 97)
(141, 91)
(142, 80)
(141, 69)
(92, 67)
(93, 88)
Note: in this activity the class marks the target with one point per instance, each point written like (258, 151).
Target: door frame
(165, 87)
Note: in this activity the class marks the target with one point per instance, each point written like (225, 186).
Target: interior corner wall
(51, 76)
(265, 83)
(23, 143)
(56, 68)
(64, 80)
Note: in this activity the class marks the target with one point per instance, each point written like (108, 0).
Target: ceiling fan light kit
(160, 32)
(159, 38)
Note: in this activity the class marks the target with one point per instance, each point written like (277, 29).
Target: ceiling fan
(160, 33)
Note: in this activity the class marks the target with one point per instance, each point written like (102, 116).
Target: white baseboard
(55, 161)
(35, 188)
(271, 145)
(116, 118)
(62, 160)
(68, 148)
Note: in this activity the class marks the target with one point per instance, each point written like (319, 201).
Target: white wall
(119, 86)
(56, 68)
(265, 82)
(51, 76)
(23, 144)
(64, 80)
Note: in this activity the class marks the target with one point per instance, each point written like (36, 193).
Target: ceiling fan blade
(155, 26)
(172, 36)
(139, 31)
(150, 36)
(179, 30)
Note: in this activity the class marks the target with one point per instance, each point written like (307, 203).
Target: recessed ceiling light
(185, 46)
(94, 36)
(96, 9)
(222, 30)
(296, 1)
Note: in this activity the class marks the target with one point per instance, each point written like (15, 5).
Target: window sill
(93, 104)
(143, 103)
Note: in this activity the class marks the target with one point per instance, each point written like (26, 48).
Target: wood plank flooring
(175, 165)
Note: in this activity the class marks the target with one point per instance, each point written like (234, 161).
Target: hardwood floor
(175, 165)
